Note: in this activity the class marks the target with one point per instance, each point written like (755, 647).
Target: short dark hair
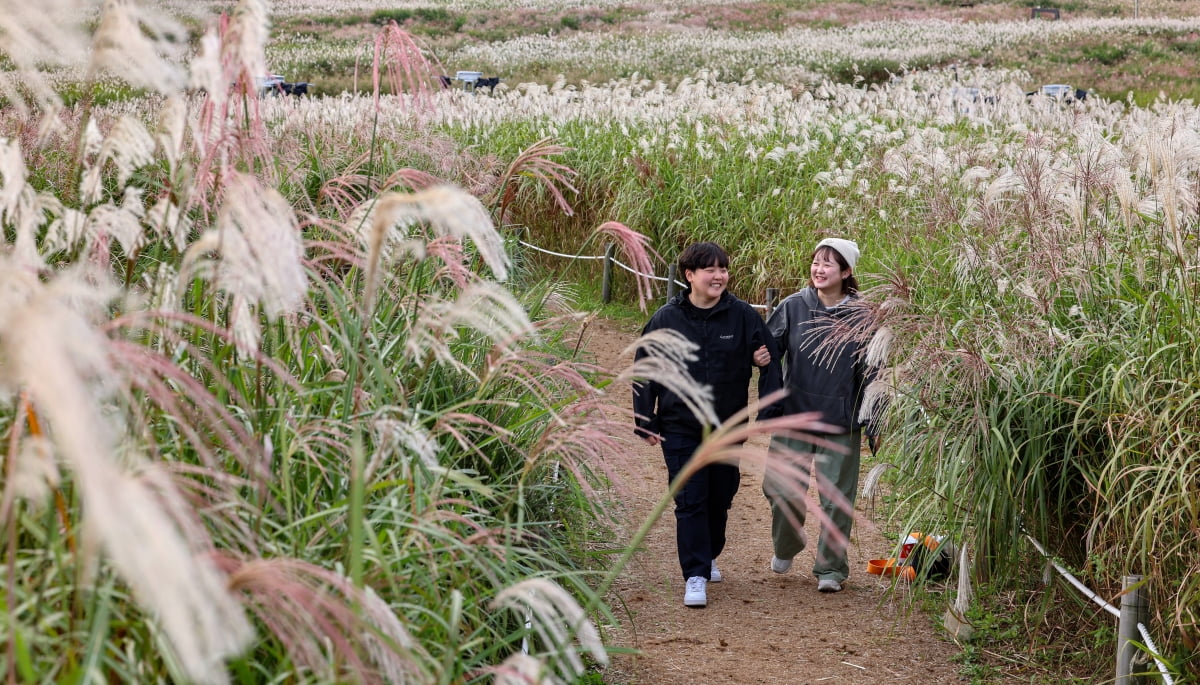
(850, 284)
(702, 255)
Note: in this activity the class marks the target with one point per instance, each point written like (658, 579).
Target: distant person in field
(824, 372)
(730, 335)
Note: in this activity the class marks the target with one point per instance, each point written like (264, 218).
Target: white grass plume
(389, 641)
(879, 347)
(449, 211)
(140, 45)
(172, 124)
(871, 482)
(662, 357)
(261, 251)
(243, 323)
(52, 351)
(404, 436)
(20, 205)
(168, 221)
(246, 40)
(129, 146)
(207, 73)
(34, 473)
(558, 620)
(485, 307)
(521, 669)
(122, 222)
(13, 178)
(66, 229)
(962, 599)
(875, 399)
(33, 37)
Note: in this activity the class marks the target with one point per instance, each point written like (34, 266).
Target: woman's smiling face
(826, 272)
(707, 284)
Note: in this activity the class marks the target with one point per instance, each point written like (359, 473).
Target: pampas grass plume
(35, 471)
(258, 238)
(36, 35)
(879, 347)
(662, 357)
(51, 349)
(484, 306)
(521, 669)
(449, 211)
(137, 44)
(246, 40)
(556, 617)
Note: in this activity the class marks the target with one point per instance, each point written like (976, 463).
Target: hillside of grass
(1156, 52)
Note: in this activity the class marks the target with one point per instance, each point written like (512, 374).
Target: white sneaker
(694, 595)
(780, 565)
(714, 575)
(828, 585)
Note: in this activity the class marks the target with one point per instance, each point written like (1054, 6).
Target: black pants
(701, 506)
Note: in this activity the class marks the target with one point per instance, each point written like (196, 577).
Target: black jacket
(823, 373)
(727, 333)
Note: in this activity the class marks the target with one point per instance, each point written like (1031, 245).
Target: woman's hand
(762, 356)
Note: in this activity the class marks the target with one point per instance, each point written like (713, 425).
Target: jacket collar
(681, 299)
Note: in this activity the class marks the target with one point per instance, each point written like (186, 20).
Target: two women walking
(824, 373)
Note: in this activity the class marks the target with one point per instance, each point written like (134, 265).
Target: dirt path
(759, 627)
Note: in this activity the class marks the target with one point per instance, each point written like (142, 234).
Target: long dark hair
(849, 284)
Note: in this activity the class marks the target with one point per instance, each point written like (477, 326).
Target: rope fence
(543, 250)
(1131, 619)
(1087, 592)
(1162, 668)
(671, 279)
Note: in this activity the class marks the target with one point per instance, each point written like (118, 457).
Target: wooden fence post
(672, 286)
(606, 284)
(1134, 610)
(772, 300)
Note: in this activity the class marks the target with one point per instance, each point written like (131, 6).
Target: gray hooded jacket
(824, 369)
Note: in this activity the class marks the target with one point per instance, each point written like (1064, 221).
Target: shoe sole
(694, 604)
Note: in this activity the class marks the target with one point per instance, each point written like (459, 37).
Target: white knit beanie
(848, 249)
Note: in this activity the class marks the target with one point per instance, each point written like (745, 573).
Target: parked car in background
(275, 84)
(1060, 91)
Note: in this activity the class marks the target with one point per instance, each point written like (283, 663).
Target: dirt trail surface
(759, 626)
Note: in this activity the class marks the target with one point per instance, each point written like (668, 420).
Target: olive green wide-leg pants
(788, 500)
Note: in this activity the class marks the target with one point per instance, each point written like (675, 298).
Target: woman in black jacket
(815, 330)
(732, 339)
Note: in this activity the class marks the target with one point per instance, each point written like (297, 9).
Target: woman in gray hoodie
(824, 372)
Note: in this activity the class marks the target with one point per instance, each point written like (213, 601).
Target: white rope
(635, 272)
(630, 269)
(558, 254)
(1162, 668)
(1076, 582)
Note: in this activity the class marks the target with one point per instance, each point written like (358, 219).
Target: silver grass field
(286, 401)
